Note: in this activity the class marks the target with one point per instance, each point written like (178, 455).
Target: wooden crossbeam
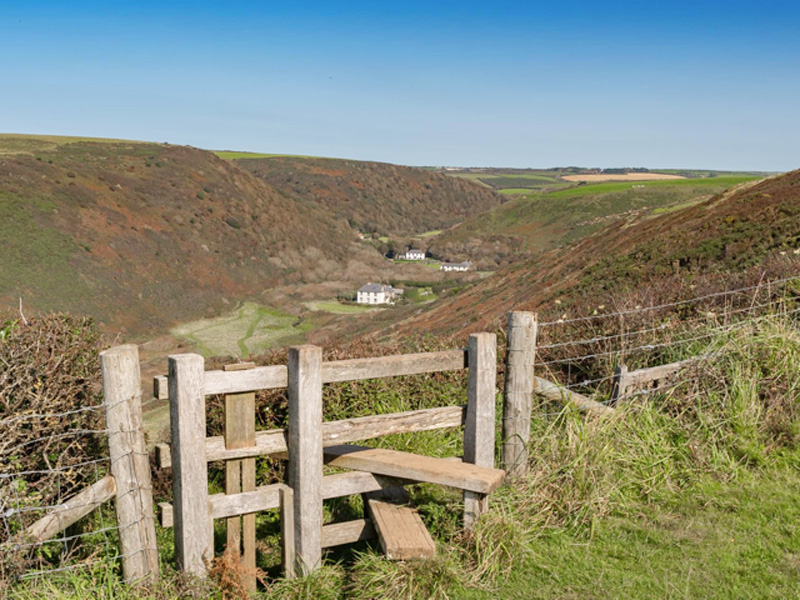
(416, 467)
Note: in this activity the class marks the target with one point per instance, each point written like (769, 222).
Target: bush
(49, 388)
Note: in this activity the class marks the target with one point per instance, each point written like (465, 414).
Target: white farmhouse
(462, 266)
(412, 255)
(377, 293)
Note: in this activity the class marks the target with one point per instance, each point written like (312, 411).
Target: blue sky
(659, 84)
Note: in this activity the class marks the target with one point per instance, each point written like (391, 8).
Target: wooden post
(240, 475)
(479, 429)
(130, 464)
(194, 539)
(287, 531)
(619, 384)
(517, 403)
(305, 454)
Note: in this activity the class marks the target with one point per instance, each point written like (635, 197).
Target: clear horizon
(595, 84)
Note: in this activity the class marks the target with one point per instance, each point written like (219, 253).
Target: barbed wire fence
(54, 441)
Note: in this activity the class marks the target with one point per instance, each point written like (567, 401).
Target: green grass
(19, 143)
(604, 188)
(515, 191)
(233, 155)
(337, 308)
(249, 329)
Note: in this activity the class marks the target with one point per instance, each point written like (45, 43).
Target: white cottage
(462, 266)
(412, 255)
(377, 293)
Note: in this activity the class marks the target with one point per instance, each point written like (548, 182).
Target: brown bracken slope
(730, 232)
(143, 235)
(377, 197)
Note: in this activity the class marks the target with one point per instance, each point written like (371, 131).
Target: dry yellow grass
(595, 177)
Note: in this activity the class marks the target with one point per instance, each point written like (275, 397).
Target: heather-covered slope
(730, 232)
(377, 197)
(145, 235)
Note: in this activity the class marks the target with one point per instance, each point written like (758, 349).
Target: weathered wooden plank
(348, 430)
(240, 475)
(650, 374)
(405, 465)
(193, 524)
(288, 558)
(349, 532)
(160, 387)
(276, 376)
(71, 511)
(305, 450)
(130, 466)
(517, 401)
(479, 430)
(558, 393)
(400, 529)
(234, 382)
(223, 506)
(392, 366)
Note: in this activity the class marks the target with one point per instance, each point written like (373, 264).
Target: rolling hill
(376, 197)
(670, 252)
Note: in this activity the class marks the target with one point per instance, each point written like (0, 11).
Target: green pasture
(621, 186)
(19, 143)
(337, 308)
(249, 329)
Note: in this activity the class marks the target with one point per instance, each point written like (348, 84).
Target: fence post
(520, 356)
(240, 475)
(305, 454)
(130, 464)
(479, 428)
(194, 540)
(619, 385)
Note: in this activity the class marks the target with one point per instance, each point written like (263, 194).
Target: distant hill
(145, 235)
(376, 197)
(726, 234)
(535, 221)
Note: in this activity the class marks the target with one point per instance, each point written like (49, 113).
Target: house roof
(379, 287)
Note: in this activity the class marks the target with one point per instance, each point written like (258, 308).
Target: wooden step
(400, 529)
(415, 467)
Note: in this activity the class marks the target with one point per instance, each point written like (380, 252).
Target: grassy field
(233, 155)
(247, 330)
(611, 187)
(337, 308)
(18, 143)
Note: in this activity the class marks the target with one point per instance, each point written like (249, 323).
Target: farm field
(337, 308)
(247, 330)
(591, 178)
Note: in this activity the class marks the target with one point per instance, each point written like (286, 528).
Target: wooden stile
(240, 474)
(479, 429)
(194, 542)
(305, 450)
(518, 397)
(274, 442)
(405, 465)
(130, 465)
(400, 529)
